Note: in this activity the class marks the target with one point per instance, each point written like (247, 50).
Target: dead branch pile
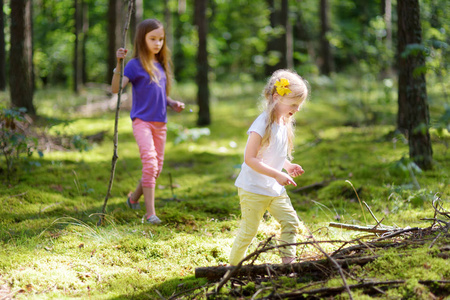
(316, 273)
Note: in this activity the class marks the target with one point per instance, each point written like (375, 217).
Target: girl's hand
(121, 53)
(176, 106)
(284, 179)
(294, 170)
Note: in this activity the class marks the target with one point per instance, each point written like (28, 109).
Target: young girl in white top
(261, 182)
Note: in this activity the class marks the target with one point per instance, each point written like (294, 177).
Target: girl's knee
(292, 223)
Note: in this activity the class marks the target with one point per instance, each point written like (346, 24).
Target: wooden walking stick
(116, 122)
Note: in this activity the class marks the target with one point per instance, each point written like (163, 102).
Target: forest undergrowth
(379, 225)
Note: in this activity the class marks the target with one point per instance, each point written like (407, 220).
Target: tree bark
(388, 22)
(85, 30)
(361, 228)
(115, 24)
(311, 267)
(413, 114)
(289, 36)
(278, 45)
(179, 59)
(2, 49)
(77, 57)
(136, 17)
(301, 33)
(168, 24)
(326, 61)
(21, 56)
(204, 117)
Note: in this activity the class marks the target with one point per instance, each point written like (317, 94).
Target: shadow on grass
(70, 189)
(187, 286)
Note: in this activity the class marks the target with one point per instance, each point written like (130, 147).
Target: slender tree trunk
(168, 24)
(388, 22)
(136, 17)
(289, 35)
(204, 117)
(77, 57)
(21, 56)
(2, 49)
(85, 30)
(413, 114)
(115, 24)
(326, 61)
(179, 59)
(301, 33)
(277, 46)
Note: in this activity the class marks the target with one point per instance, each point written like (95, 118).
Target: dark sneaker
(132, 205)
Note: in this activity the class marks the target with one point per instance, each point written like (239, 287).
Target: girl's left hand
(295, 170)
(177, 106)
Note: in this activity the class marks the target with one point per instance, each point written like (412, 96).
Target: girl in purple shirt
(150, 75)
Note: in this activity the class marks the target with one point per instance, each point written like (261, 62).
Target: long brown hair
(299, 93)
(143, 54)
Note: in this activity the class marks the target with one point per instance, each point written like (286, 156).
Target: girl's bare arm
(120, 54)
(252, 160)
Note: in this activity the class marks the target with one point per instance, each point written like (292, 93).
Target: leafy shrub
(13, 139)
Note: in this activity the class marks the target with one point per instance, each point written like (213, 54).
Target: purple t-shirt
(149, 98)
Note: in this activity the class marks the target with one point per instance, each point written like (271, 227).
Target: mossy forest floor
(51, 248)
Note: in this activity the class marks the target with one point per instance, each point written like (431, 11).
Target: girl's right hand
(121, 53)
(284, 179)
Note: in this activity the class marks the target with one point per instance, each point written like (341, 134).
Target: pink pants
(151, 139)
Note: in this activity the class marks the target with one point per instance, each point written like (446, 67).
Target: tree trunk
(201, 21)
(413, 114)
(289, 35)
(85, 30)
(277, 46)
(136, 17)
(115, 22)
(2, 49)
(168, 24)
(77, 57)
(21, 56)
(179, 59)
(326, 61)
(301, 33)
(388, 22)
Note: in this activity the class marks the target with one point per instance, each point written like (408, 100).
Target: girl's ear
(276, 97)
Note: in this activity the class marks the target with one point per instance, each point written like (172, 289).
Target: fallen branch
(231, 273)
(215, 273)
(398, 232)
(338, 267)
(313, 187)
(372, 229)
(361, 247)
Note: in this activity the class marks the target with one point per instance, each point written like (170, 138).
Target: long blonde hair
(143, 54)
(299, 93)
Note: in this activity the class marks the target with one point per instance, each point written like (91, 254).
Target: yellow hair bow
(282, 87)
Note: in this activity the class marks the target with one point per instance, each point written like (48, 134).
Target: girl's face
(286, 108)
(155, 40)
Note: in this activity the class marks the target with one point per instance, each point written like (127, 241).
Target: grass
(50, 246)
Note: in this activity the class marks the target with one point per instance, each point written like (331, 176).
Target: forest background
(378, 117)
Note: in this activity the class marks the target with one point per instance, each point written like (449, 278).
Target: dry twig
(116, 122)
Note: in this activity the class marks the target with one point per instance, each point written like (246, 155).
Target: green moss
(419, 264)
(48, 232)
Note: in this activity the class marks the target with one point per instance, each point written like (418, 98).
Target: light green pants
(253, 207)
